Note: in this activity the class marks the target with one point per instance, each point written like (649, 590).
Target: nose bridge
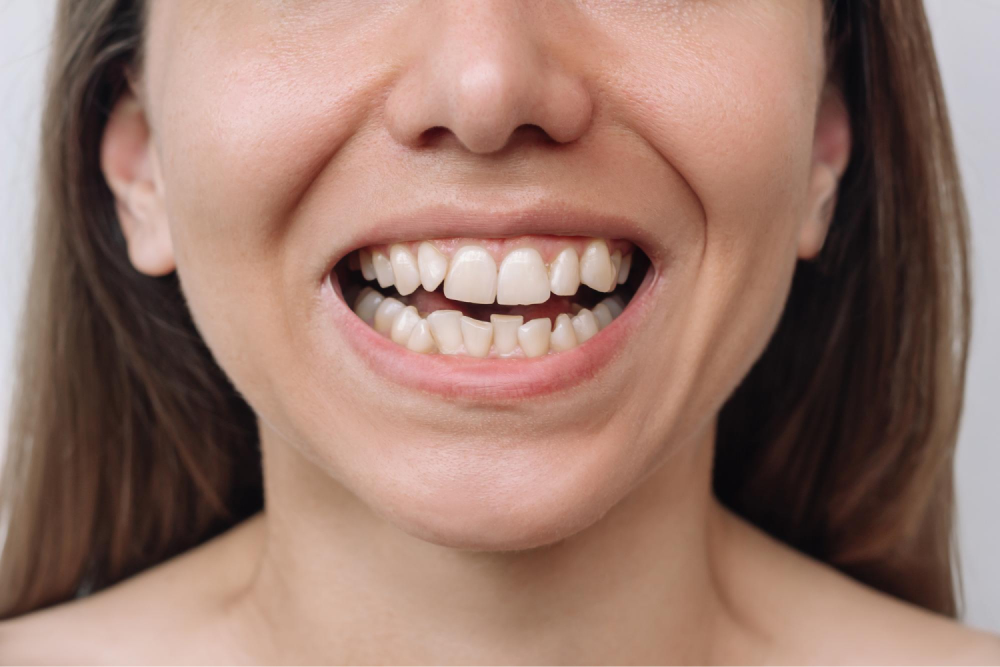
(480, 71)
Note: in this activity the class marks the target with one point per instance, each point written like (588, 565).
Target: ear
(831, 153)
(132, 170)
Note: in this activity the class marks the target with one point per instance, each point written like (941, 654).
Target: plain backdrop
(965, 32)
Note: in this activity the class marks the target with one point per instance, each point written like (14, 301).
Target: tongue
(426, 302)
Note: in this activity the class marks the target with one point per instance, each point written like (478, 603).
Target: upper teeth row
(471, 275)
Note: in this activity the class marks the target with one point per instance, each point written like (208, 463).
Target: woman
(591, 332)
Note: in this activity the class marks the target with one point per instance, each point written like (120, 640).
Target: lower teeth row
(508, 336)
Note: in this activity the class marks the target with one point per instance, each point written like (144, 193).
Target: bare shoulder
(116, 625)
(811, 613)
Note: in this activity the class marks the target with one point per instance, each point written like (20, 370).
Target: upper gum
(547, 246)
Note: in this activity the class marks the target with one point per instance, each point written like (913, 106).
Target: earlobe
(130, 167)
(831, 153)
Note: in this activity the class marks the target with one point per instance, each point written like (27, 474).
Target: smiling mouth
(505, 298)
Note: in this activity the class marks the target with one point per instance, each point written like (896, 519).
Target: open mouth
(492, 298)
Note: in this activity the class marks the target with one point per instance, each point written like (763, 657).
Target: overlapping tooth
(596, 270)
(404, 269)
(383, 269)
(523, 279)
(505, 332)
(564, 273)
(433, 266)
(367, 303)
(534, 337)
(477, 336)
(446, 328)
(584, 325)
(420, 339)
(602, 314)
(386, 313)
(403, 325)
(472, 276)
(367, 268)
(563, 337)
(624, 269)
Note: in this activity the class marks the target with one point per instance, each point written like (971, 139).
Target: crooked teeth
(505, 332)
(404, 269)
(433, 266)
(596, 269)
(585, 325)
(564, 273)
(386, 313)
(446, 327)
(477, 336)
(420, 339)
(523, 279)
(534, 337)
(383, 269)
(563, 337)
(403, 325)
(472, 276)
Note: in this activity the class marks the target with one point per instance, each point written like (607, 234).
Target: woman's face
(286, 134)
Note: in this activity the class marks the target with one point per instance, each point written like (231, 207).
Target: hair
(128, 444)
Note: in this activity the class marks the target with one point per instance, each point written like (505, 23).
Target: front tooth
(522, 280)
(472, 276)
(386, 313)
(505, 331)
(477, 336)
(420, 339)
(563, 337)
(404, 269)
(403, 325)
(564, 273)
(602, 314)
(534, 336)
(624, 269)
(367, 268)
(596, 270)
(432, 264)
(383, 269)
(446, 327)
(584, 325)
(367, 303)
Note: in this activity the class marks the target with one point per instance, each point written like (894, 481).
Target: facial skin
(269, 137)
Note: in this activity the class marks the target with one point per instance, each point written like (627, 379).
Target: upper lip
(553, 219)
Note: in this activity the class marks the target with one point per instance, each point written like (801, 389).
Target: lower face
(489, 349)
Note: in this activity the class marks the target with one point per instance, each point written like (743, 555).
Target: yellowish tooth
(616, 263)
(563, 337)
(522, 279)
(433, 266)
(446, 327)
(383, 269)
(585, 325)
(367, 268)
(404, 269)
(477, 336)
(420, 339)
(564, 273)
(386, 313)
(615, 304)
(534, 336)
(596, 270)
(367, 303)
(472, 276)
(624, 269)
(603, 315)
(505, 332)
(403, 325)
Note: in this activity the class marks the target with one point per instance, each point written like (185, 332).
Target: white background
(969, 51)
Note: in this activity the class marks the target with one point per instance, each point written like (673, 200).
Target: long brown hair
(128, 444)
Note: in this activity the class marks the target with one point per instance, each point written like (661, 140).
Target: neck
(336, 581)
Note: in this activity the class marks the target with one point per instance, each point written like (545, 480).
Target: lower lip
(462, 377)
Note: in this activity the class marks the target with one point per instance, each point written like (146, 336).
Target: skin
(578, 527)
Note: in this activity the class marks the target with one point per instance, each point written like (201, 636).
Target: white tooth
(533, 337)
(602, 314)
(446, 327)
(354, 261)
(472, 276)
(624, 269)
(615, 305)
(477, 336)
(367, 268)
(563, 337)
(585, 325)
(564, 273)
(420, 339)
(505, 331)
(383, 269)
(616, 263)
(433, 266)
(386, 313)
(404, 269)
(403, 325)
(595, 267)
(522, 279)
(367, 303)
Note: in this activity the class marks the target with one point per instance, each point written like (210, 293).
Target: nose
(481, 69)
